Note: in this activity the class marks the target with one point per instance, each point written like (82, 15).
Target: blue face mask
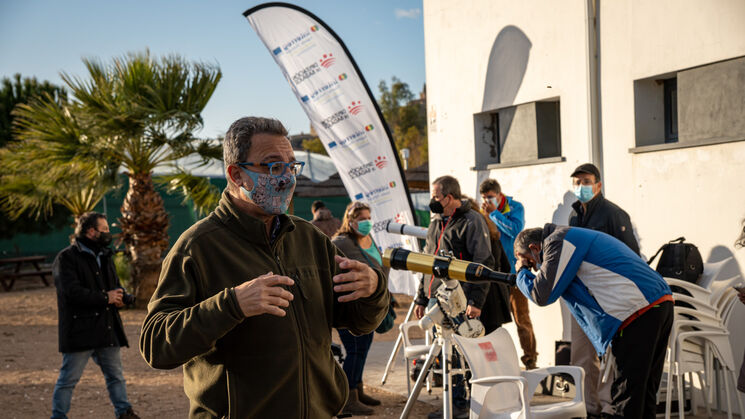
(272, 194)
(583, 193)
(364, 227)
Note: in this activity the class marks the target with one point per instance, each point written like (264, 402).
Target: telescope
(406, 230)
(443, 267)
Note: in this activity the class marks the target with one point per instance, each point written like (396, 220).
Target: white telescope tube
(406, 230)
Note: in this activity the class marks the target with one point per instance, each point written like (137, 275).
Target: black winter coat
(467, 237)
(86, 319)
(496, 310)
(603, 215)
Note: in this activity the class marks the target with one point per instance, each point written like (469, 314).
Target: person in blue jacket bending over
(617, 299)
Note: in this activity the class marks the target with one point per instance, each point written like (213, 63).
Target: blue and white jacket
(602, 281)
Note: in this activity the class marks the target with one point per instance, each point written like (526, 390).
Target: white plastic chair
(411, 351)
(717, 342)
(694, 290)
(499, 389)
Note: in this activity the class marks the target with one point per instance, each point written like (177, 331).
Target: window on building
(521, 134)
(691, 107)
(670, 90)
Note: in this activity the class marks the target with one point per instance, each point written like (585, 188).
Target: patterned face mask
(272, 194)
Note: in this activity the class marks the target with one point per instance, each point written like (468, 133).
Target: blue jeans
(356, 348)
(73, 364)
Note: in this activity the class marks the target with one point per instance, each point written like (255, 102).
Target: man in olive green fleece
(247, 296)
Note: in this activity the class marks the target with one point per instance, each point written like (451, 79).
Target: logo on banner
(369, 127)
(392, 184)
(359, 196)
(342, 76)
(335, 119)
(321, 91)
(377, 195)
(314, 28)
(356, 140)
(295, 42)
(305, 73)
(355, 107)
(327, 60)
(400, 218)
(358, 171)
(381, 225)
(381, 162)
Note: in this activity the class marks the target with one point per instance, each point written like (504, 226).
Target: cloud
(407, 14)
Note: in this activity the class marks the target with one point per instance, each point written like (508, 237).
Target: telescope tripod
(442, 345)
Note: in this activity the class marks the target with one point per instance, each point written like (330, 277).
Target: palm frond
(196, 189)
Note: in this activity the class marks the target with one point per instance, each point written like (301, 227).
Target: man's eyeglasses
(278, 168)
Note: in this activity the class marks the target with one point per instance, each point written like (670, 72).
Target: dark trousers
(639, 350)
(356, 348)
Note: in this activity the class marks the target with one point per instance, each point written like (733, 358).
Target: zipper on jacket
(301, 346)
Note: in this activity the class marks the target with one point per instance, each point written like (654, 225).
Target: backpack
(679, 260)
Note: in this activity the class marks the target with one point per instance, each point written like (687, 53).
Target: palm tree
(134, 114)
(49, 136)
(143, 112)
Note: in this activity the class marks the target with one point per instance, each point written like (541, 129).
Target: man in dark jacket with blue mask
(593, 211)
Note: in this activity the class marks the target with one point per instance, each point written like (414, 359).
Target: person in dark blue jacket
(617, 299)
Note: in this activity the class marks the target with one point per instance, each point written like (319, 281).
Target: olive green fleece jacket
(262, 366)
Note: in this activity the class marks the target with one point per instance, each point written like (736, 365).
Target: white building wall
(697, 192)
(459, 39)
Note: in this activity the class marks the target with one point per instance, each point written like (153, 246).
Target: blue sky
(44, 37)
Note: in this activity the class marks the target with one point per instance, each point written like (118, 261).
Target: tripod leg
(433, 351)
(397, 346)
(447, 384)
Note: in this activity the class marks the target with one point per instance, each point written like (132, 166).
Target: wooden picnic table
(8, 277)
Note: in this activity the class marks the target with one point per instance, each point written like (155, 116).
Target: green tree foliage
(406, 117)
(13, 92)
(314, 145)
(132, 114)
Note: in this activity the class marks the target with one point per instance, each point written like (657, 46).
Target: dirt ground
(29, 365)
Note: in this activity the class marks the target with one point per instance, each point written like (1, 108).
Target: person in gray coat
(354, 240)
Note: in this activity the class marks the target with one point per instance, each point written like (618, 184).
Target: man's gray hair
(237, 141)
(448, 186)
(527, 237)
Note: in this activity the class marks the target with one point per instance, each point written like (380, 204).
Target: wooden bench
(8, 277)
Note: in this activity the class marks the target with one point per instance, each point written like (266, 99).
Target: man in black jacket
(89, 296)
(455, 228)
(593, 211)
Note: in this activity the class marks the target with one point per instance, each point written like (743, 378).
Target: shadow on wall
(563, 210)
(720, 253)
(504, 75)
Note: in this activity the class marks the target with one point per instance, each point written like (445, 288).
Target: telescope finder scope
(443, 267)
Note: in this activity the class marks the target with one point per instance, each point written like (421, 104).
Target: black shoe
(129, 414)
(458, 413)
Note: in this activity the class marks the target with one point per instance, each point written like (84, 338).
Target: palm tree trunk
(144, 225)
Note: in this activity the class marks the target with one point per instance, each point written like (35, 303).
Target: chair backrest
(721, 289)
(712, 272)
(404, 328)
(493, 355)
(490, 355)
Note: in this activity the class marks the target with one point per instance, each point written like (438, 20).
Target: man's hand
(419, 311)
(264, 295)
(519, 263)
(472, 312)
(488, 207)
(115, 297)
(361, 281)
